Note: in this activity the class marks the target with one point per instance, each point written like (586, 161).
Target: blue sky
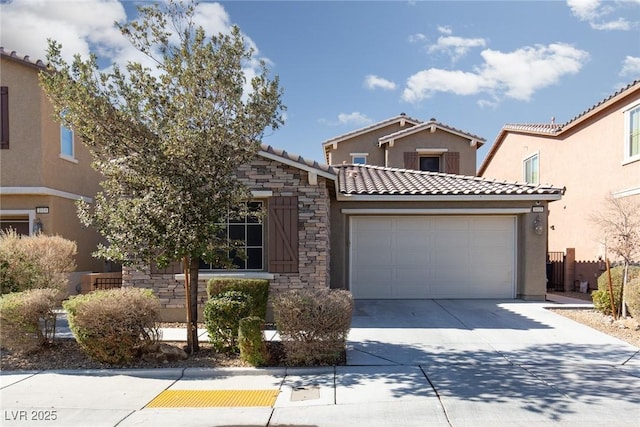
(472, 65)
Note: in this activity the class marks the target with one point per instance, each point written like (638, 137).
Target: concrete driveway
(500, 362)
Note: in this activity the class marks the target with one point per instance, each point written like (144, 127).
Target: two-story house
(595, 155)
(44, 168)
(408, 143)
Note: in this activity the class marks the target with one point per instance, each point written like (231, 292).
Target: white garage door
(432, 257)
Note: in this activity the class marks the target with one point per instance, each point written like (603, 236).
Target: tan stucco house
(596, 154)
(383, 232)
(44, 169)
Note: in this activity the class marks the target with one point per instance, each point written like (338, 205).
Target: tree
(620, 223)
(167, 140)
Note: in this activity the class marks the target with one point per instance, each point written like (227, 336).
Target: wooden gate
(555, 271)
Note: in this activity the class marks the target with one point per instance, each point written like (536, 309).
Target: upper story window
(249, 232)
(66, 143)
(429, 163)
(4, 117)
(632, 134)
(531, 167)
(359, 158)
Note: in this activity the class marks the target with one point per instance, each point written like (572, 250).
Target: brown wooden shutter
(411, 160)
(4, 117)
(452, 162)
(283, 234)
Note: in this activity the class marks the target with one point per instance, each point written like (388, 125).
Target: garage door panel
(433, 257)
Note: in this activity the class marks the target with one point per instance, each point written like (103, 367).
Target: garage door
(432, 257)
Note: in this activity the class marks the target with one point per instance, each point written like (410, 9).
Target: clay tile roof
(427, 125)
(371, 127)
(376, 180)
(547, 128)
(296, 159)
(22, 59)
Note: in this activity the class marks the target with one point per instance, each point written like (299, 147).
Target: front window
(532, 170)
(430, 163)
(632, 149)
(248, 232)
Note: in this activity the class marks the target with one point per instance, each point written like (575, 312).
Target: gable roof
(24, 60)
(401, 118)
(366, 182)
(296, 161)
(555, 130)
(431, 125)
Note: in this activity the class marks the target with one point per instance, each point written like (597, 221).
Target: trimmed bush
(258, 289)
(253, 349)
(35, 262)
(633, 297)
(222, 316)
(28, 319)
(601, 298)
(112, 326)
(313, 324)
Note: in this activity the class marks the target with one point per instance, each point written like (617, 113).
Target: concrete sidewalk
(410, 363)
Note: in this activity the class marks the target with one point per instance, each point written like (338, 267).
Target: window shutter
(452, 162)
(411, 160)
(4, 116)
(283, 234)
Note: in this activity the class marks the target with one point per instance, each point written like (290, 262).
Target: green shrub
(222, 316)
(257, 288)
(112, 325)
(633, 297)
(313, 324)
(253, 349)
(35, 262)
(28, 319)
(601, 297)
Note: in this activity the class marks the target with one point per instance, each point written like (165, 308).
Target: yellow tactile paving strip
(213, 398)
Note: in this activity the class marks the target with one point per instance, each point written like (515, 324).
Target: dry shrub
(112, 326)
(27, 319)
(633, 298)
(35, 262)
(313, 324)
(601, 297)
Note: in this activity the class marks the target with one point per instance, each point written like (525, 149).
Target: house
(405, 142)
(381, 232)
(596, 154)
(44, 169)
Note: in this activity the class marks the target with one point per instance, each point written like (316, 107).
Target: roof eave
(446, 198)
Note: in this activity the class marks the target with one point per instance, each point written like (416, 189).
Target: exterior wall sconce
(37, 226)
(538, 228)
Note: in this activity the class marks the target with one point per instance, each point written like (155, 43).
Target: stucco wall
(589, 162)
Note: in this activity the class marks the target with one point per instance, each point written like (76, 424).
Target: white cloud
(597, 14)
(417, 37)
(631, 67)
(456, 47)
(374, 82)
(516, 74)
(443, 29)
(354, 118)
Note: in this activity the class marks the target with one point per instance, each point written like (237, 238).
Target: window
(66, 142)
(632, 134)
(4, 117)
(532, 169)
(249, 231)
(430, 163)
(359, 158)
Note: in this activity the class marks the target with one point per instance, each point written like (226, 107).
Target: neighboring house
(405, 142)
(383, 233)
(44, 169)
(594, 155)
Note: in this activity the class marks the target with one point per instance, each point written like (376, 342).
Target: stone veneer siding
(313, 236)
